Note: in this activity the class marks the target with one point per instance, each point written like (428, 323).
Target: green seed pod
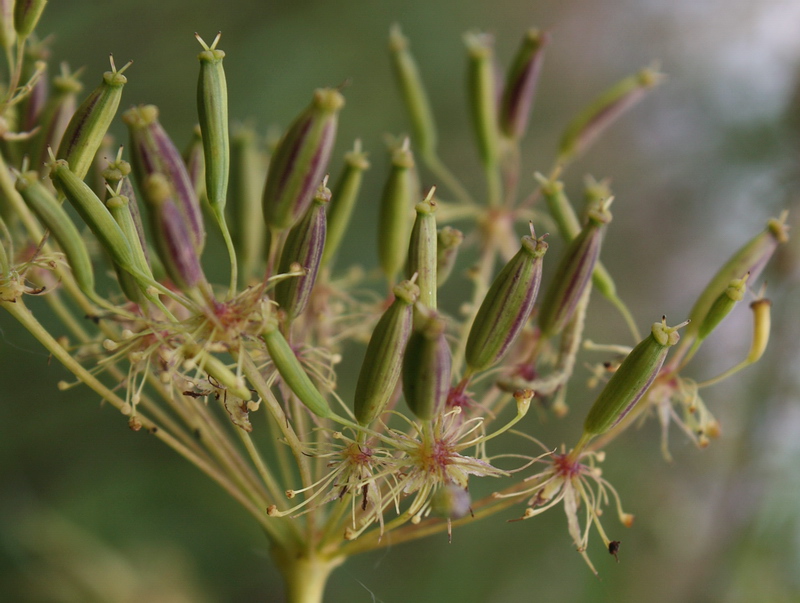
(521, 82)
(582, 131)
(383, 362)
(301, 159)
(119, 207)
(574, 272)
(34, 72)
(422, 251)
(292, 372)
(303, 247)
(248, 169)
(116, 177)
(394, 219)
(761, 327)
(212, 107)
(426, 369)
(8, 35)
(172, 236)
(723, 305)
(153, 152)
(751, 258)
(26, 16)
(343, 199)
(94, 213)
(56, 220)
(55, 117)
(507, 305)
(413, 90)
(195, 162)
(632, 379)
(482, 95)
(89, 124)
(448, 240)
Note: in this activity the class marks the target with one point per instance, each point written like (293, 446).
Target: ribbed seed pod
(413, 90)
(94, 213)
(248, 169)
(507, 305)
(422, 251)
(383, 362)
(26, 16)
(426, 368)
(723, 305)
(212, 108)
(574, 272)
(292, 372)
(116, 176)
(89, 124)
(632, 379)
(448, 240)
(582, 131)
(196, 163)
(343, 199)
(521, 82)
(153, 152)
(55, 117)
(304, 246)
(119, 207)
(301, 159)
(482, 95)
(172, 236)
(56, 220)
(751, 258)
(394, 219)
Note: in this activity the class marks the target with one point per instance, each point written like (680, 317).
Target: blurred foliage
(698, 167)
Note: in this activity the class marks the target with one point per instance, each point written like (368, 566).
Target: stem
(447, 178)
(305, 574)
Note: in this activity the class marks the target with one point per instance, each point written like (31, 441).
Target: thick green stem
(305, 574)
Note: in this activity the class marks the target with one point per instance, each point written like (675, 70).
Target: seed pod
(761, 328)
(426, 369)
(153, 152)
(521, 82)
(195, 162)
(632, 379)
(304, 247)
(119, 207)
(451, 501)
(752, 258)
(448, 241)
(26, 16)
(411, 87)
(34, 71)
(482, 95)
(384, 359)
(89, 124)
(292, 372)
(116, 176)
(582, 131)
(8, 35)
(52, 215)
(422, 251)
(248, 168)
(574, 272)
(507, 305)
(212, 107)
(94, 213)
(55, 117)
(301, 159)
(394, 219)
(343, 199)
(171, 234)
(723, 305)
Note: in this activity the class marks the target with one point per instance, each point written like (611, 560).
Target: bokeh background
(697, 169)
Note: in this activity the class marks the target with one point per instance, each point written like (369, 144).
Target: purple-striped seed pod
(35, 61)
(91, 120)
(171, 233)
(574, 272)
(195, 162)
(55, 116)
(521, 82)
(304, 247)
(153, 152)
(301, 160)
(507, 306)
(426, 368)
(383, 362)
